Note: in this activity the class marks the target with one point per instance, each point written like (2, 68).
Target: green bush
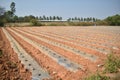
(34, 22)
(97, 77)
(113, 20)
(112, 64)
(1, 24)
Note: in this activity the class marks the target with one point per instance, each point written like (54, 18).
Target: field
(63, 53)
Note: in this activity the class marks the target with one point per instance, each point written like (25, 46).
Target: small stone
(115, 48)
(54, 72)
(99, 65)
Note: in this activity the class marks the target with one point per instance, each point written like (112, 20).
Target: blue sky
(65, 8)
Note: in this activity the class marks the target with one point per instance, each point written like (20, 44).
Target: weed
(112, 64)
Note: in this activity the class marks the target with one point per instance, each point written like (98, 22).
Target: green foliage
(113, 20)
(97, 77)
(12, 6)
(112, 64)
(2, 11)
(7, 16)
(34, 22)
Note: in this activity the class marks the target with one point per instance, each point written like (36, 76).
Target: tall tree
(69, 19)
(2, 11)
(60, 18)
(47, 18)
(12, 6)
(90, 19)
(50, 18)
(81, 19)
(94, 19)
(85, 19)
(40, 18)
(44, 17)
(75, 19)
(54, 17)
(16, 18)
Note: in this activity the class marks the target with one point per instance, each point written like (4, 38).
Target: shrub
(112, 64)
(1, 23)
(34, 22)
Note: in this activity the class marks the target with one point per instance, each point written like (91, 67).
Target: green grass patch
(112, 64)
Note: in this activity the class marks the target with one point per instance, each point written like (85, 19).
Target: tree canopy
(113, 20)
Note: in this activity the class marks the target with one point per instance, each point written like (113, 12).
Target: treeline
(78, 19)
(7, 16)
(31, 17)
(113, 20)
(50, 18)
(10, 17)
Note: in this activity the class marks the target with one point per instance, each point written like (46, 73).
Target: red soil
(104, 38)
(10, 66)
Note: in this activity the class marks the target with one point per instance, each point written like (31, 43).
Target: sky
(65, 8)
